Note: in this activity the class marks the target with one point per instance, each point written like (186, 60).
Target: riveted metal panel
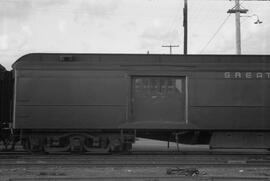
(70, 99)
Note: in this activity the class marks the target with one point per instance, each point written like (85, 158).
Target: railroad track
(136, 160)
(139, 164)
(60, 167)
(208, 152)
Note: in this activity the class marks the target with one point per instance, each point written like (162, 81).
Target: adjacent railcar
(6, 91)
(2, 70)
(95, 102)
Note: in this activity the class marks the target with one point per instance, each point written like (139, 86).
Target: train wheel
(76, 144)
(56, 144)
(116, 145)
(33, 144)
(96, 144)
(8, 139)
(9, 144)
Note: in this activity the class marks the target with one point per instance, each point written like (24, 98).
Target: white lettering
(227, 75)
(248, 75)
(237, 75)
(259, 75)
(268, 74)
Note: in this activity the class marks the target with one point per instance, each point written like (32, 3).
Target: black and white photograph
(142, 90)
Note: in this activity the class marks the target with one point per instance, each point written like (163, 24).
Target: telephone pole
(237, 10)
(170, 46)
(185, 25)
(238, 28)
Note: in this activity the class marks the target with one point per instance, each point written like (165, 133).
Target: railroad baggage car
(97, 102)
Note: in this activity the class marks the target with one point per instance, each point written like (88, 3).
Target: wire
(214, 35)
(174, 23)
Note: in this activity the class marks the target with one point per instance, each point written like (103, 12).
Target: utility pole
(185, 25)
(237, 10)
(170, 46)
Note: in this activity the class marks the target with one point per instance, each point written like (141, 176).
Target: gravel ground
(43, 172)
(83, 171)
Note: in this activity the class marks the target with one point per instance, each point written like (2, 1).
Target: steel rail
(134, 157)
(153, 152)
(150, 153)
(260, 160)
(121, 163)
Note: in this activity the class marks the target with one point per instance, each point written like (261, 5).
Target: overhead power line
(214, 35)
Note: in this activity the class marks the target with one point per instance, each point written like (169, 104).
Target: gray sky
(125, 26)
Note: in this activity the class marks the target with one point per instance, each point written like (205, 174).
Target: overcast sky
(125, 26)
